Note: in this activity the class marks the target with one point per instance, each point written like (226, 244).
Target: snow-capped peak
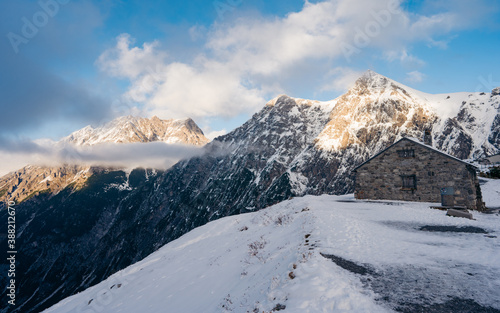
(282, 99)
(373, 79)
(273, 101)
(378, 109)
(372, 83)
(375, 110)
(127, 129)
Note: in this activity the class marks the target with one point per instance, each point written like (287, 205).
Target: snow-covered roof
(414, 140)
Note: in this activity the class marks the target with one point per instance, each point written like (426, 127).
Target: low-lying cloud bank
(158, 155)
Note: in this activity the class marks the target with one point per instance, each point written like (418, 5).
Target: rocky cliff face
(373, 112)
(33, 180)
(473, 131)
(291, 147)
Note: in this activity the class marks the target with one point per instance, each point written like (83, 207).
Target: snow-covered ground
(316, 254)
(490, 188)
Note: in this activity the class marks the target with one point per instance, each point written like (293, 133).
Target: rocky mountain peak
(273, 101)
(370, 75)
(374, 86)
(34, 180)
(375, 107)
(286, 100)
(191, 125)
(372, 80)
(495, 91)
(127, 129)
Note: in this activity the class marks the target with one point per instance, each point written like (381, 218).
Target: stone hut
(410, 170)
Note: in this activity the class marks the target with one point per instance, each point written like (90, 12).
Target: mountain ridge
(32, 180)
(127, 129)
(285, 150)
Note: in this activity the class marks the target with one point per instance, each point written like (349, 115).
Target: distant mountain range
(129, 129)
(292, 147)
(33, 180)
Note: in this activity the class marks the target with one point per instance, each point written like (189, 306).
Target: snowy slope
(388, 257)
(490, 189)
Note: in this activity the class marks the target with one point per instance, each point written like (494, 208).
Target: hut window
(409, 181)
(406, 153)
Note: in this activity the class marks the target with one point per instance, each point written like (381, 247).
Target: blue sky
(86, 62)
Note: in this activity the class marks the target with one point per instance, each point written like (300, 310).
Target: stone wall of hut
(409, 171)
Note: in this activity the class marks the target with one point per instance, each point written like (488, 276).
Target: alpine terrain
(128, 129)
(33, 180)
(316, 254)
(77, 237)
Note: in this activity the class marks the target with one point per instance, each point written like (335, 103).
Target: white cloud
(125, 62)
(215, 133)
(209, 90)
(441, 44)
(427, 26)
(176, 90)
(197, 32)
(415, 77)
(157, 155)
(341, 79)
(407, 60)
(267, 47)
(248, 60)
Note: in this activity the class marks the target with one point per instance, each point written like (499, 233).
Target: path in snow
(307, 255)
